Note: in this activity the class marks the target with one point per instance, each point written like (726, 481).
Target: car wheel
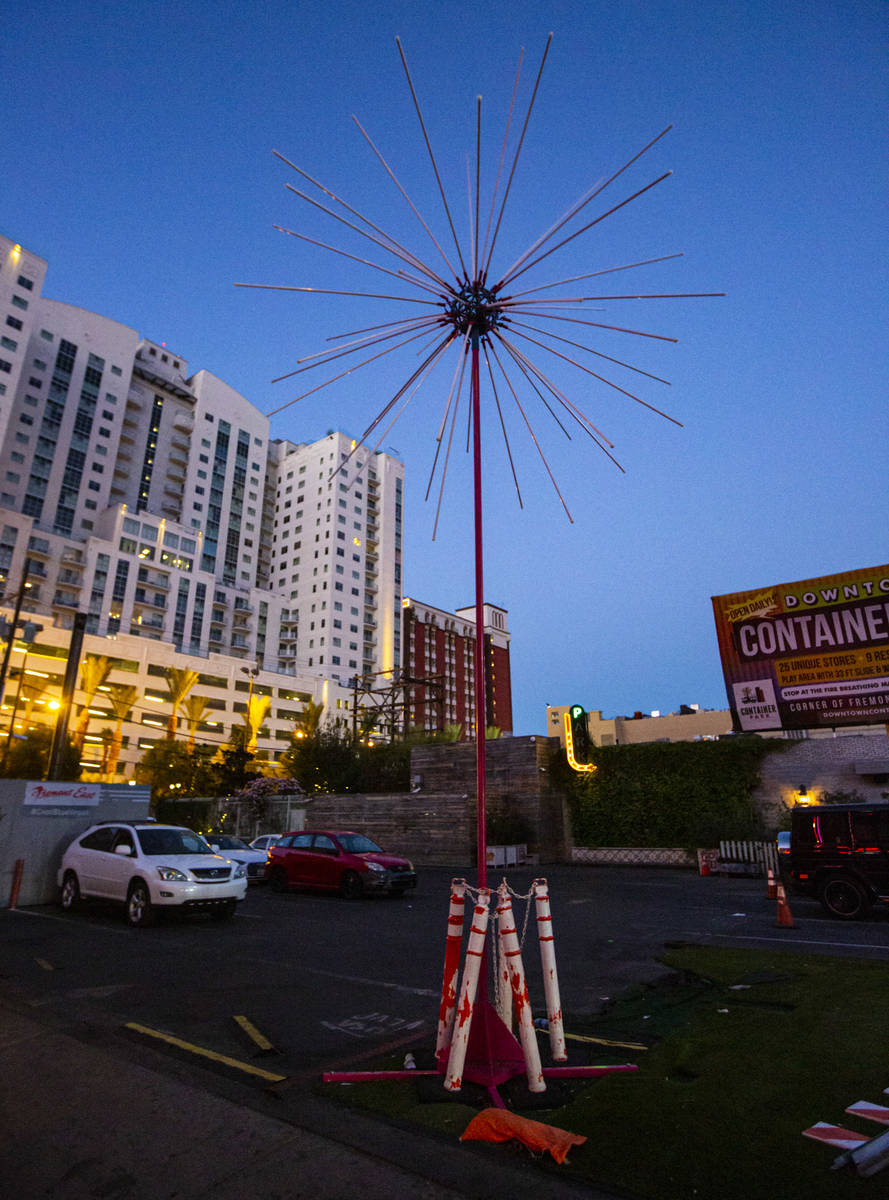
(844, 898)
(351, 886)
(224, 912)
(70, 897)
(139, 911)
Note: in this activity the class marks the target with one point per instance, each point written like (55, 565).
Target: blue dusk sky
(138, 160)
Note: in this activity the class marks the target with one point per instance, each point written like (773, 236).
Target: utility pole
(60, 736)
(20, 596)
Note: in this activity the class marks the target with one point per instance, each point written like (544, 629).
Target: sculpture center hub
(474, 307)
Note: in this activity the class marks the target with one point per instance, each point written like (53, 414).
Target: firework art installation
(483, 315)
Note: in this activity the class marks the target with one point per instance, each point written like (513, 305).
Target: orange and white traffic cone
(773, 887)
(785, 917)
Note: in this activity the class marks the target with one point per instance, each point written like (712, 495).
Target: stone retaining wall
(633, 856)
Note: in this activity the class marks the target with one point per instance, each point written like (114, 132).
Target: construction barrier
(474, 956)
(550, 975)
(453, 945)
(519, 988)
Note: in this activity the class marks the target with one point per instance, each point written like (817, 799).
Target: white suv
(146, 866)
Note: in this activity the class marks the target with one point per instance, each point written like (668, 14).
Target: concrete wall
(39, 821)
(436, 824)
(432, 831)
(849, 763)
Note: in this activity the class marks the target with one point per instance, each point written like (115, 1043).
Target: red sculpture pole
(480, 693)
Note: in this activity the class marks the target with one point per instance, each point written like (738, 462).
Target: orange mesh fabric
(500, 1125)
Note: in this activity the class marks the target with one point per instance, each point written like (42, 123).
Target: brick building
(438, 651)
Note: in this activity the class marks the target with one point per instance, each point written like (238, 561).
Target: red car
(348, 863)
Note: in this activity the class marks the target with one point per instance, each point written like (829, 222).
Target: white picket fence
(748, 853)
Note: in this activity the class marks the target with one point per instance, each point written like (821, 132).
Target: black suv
(840, 853)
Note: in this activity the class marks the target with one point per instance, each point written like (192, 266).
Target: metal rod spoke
(425, 369)
(323, 357)
(403, 275)
(596, 190)
(444, 469)
(541, 287)
(273, 287)
(456, 387)
(617, 361)
(410, 202)
(532, 383)
(601, 378)
(583, 229)
(342, 375)
(518, 152)
(581, 417)
(390, 243)
(406, 321)
(515, 88)
(660, 337)
(515, 477)
(537, 445)
(478, 173)
(444, 200)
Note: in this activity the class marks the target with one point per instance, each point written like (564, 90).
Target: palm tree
(180, 681)
(309, 720)
(122, 698)
(195, 709)
(94, 671)
(257, 707)
(107, 738)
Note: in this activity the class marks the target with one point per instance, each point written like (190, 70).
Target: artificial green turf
(732, 1077)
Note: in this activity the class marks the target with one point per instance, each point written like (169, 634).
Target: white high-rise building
(152, 500)
(337, 553)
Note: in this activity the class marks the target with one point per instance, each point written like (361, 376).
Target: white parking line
(379, 983)
(753, 937)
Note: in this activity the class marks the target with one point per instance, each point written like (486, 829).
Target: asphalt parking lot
(323, 979)
(250, 1012)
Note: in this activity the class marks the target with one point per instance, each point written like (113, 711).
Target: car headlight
(172, 874)
(239, 872)
(372, 866)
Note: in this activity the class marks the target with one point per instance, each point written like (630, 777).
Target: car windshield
(172, 841)
(227, 843)
(357, 843)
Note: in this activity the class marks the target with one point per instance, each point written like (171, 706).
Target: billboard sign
(806, 655)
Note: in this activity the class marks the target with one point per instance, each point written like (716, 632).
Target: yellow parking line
(211, 1054)
(253, 1033)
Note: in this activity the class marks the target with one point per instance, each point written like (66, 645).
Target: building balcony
(144, 599)
(153, 580)
(145, 627)
(65, 600)
(40, 547)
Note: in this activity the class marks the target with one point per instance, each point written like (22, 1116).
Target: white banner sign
(74, 795)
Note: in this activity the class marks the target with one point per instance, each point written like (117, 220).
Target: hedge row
(669, 793)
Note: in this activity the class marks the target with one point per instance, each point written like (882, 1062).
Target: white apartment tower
(337, 553)
(152, 500)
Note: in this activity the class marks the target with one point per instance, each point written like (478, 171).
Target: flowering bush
(258, 793)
